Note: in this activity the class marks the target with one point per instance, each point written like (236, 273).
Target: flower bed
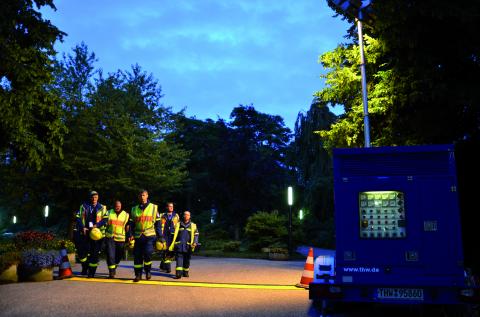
(37, 265)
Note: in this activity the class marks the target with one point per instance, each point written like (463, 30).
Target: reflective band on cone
(65, 270)
(307, 276)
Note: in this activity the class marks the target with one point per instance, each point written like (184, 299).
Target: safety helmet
(131, 244)
(95, 234)
(160, 246)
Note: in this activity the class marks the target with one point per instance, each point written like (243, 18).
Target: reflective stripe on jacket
(116, 225)
(101, 217)
(144, 220)
(185, 235)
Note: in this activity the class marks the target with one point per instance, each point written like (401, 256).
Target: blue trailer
(400, 232)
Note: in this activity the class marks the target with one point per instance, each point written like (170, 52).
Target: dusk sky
(209, 56)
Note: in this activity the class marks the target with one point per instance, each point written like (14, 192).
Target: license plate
(400, 293)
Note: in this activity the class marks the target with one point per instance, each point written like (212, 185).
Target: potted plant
(8, 267)
(36, 265)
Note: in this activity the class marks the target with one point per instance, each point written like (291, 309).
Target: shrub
(7, 259)
(6, 247)
(231, 246)
(264, 229)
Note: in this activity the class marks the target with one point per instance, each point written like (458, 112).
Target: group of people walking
(144, 227)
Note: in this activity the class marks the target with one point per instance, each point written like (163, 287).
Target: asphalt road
(82, 298)
(100, 297)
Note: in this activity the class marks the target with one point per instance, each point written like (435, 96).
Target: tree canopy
(422, 88)
(31, 129)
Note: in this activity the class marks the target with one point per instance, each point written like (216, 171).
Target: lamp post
(46, 214)
(360, 10)
(290, 203)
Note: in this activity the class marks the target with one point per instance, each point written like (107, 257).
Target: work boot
(138, 275)
(111, 273)
(84, 269)
(137, 278)
(148, 275)
(167, 268)
(91, 272)
(185, 273)
(162, 266)
(178, 275)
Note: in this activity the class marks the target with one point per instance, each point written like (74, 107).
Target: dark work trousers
(142, 254)
(82, 245)
(93, 253)
(183, 261)
(115, 252)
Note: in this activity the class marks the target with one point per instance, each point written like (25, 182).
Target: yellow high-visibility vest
(116, 225)
(144, 220)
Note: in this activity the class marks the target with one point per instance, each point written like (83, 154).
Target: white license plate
(400, 293)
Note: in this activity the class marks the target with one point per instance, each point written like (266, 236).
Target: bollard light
(290, 195)
(290, 203)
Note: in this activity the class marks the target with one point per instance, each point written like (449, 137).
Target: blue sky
(210, 55)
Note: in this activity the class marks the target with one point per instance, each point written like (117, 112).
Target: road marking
(189, 284)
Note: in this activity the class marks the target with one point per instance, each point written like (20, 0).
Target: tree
(31, 129)
(312, 163)
(421, 89)
(117, 144)
(236, 167)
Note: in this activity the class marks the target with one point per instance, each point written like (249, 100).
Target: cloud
(211, 55)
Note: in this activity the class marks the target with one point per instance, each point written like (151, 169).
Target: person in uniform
(185, 239)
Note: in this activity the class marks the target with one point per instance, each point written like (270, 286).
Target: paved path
(81, 298)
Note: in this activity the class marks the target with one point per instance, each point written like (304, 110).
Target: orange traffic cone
(307, 276)
(65, 270)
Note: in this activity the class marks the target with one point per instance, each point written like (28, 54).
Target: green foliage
(420, 90)
(264, 229)
(117, 144)
(8, 259)
(31, 129)
(236, 167)
(343, 88)
(231, 246)
(311, 161)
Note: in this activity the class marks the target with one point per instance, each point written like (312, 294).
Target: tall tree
(117, 143)
(312, 162)
(237, 167)
(31, 129)
(421, 88)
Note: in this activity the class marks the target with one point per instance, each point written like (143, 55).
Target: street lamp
(290, 203)
(360, 10)
(300, 214)
(46, 214)
(14, 219)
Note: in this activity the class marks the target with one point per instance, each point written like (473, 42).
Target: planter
(27, 274)
(71, 258)
(278, 256)
(9, 275)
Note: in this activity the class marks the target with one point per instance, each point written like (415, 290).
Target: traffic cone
(65, 270)
(307, 276)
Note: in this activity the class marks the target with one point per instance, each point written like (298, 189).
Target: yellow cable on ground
(189, 284)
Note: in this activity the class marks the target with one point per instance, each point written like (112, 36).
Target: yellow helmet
(131, 244)
(160, 246)
(95, 234)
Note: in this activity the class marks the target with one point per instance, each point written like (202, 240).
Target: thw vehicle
(407, 227)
